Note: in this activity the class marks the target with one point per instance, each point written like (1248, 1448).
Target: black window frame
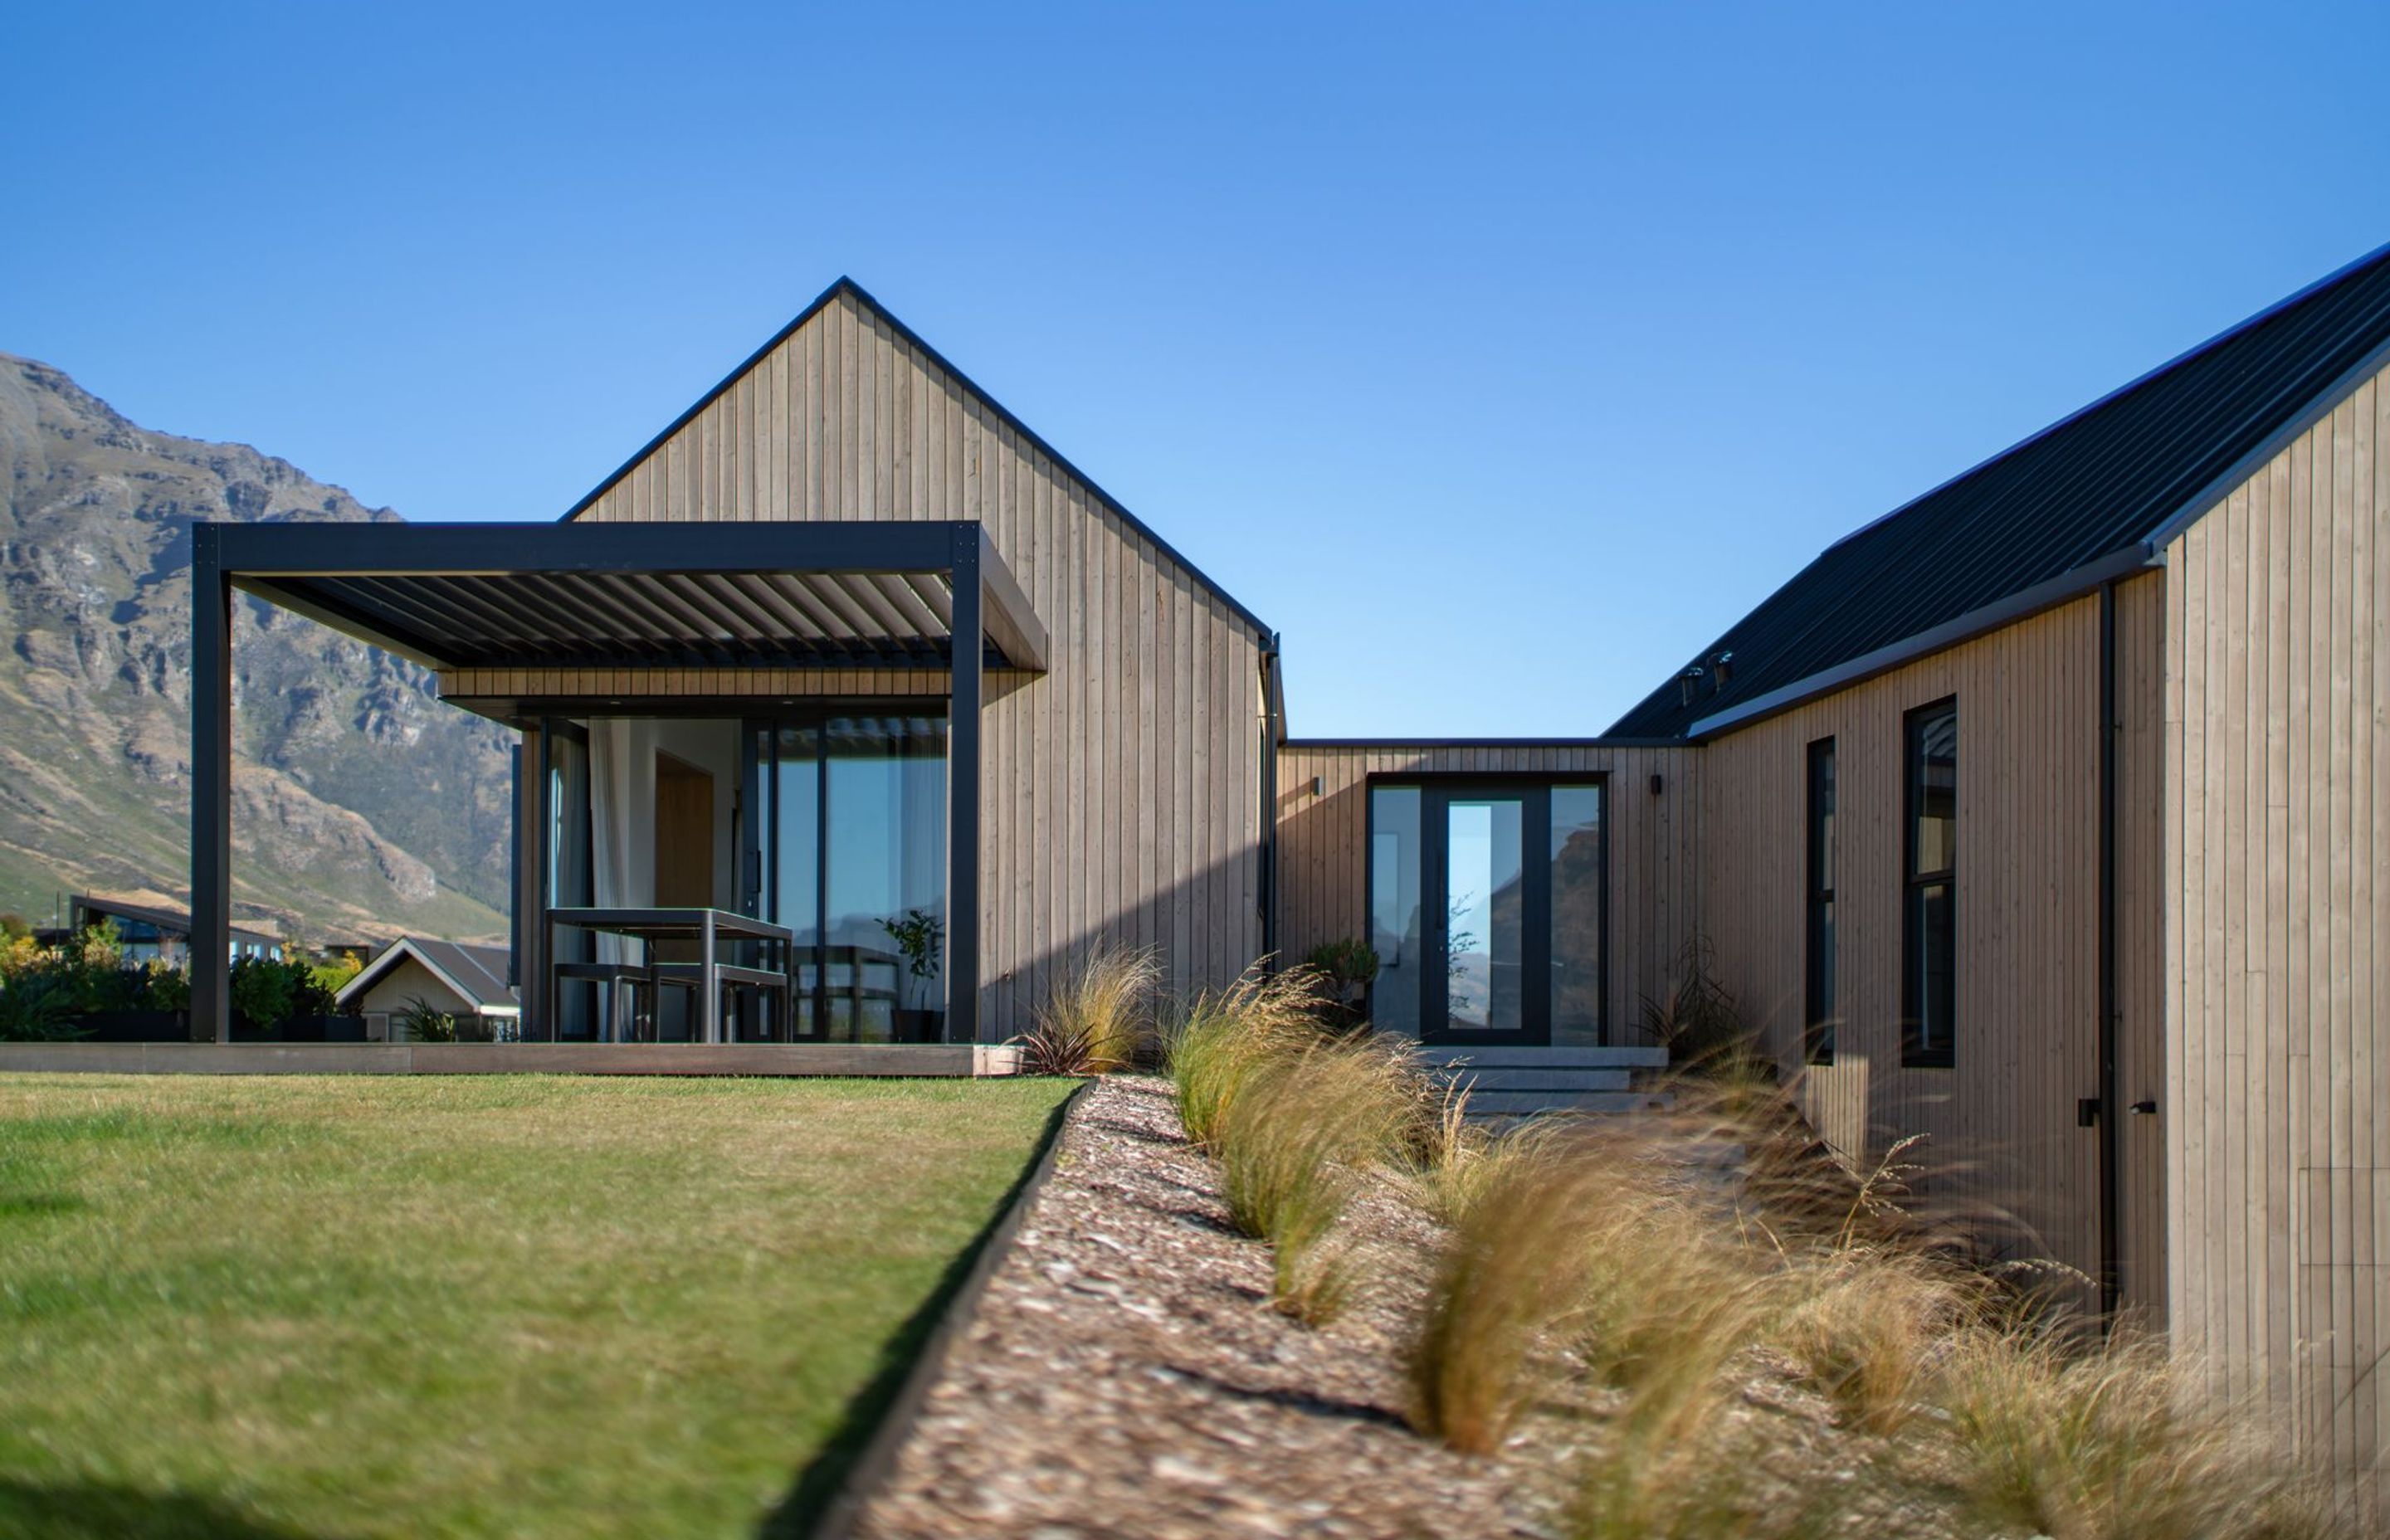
(1821, 975)
(1918, 1050)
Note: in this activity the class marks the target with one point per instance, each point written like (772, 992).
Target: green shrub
(166, 987)
(38, 1006)
(425, 1022)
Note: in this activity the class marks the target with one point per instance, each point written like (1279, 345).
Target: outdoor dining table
(708, 928)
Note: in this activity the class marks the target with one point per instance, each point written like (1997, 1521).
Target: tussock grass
(2107, 1445)
(1097, 1014)
(1291, 1142)
(1526, 1217)
(1225, 1037)
(1865, 1327)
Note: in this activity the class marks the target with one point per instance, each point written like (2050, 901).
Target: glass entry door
(1485, 910)
(1486, 915)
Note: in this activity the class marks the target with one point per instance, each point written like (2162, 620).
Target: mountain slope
(361, 806)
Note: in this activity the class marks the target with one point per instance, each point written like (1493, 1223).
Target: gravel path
(1125, 1373)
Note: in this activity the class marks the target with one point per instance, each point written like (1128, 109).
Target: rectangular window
(1930, 928)
(1818, 1020)
(1394, 917)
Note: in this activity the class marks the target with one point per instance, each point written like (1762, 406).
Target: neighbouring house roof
(87, 909)
(477, 974)
(2091, 498)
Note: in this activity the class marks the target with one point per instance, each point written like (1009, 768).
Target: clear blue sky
(1497, 356)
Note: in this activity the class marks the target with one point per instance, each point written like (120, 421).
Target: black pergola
(771, 595)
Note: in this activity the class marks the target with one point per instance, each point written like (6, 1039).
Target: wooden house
(2044, 816)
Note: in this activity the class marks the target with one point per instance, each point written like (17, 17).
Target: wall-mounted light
(1316, 785)
(1656, 783)
(1687, 682)
(1719, 667)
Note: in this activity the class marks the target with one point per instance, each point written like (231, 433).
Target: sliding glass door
(847, 848)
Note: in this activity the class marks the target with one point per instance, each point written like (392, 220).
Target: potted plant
(1345, 968)
(917, 937)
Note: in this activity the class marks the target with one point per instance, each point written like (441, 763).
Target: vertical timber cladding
(1655, 872)
(2000, 1129)
(2278, 958)
(1122, 797)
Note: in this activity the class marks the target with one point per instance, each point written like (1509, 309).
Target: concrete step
(1515, 1104)
(1545, 1058)
(1538, 1079)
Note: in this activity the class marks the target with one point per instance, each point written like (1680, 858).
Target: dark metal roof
(2084, 500)
(629, 595)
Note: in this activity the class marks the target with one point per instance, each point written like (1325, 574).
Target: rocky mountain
(361, 806)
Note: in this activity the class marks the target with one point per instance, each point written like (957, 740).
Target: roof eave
(2130, 561)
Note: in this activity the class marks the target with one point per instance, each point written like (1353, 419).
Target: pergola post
(210, 790)
(969, 645)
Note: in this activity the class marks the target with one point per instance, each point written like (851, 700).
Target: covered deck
(666, 607)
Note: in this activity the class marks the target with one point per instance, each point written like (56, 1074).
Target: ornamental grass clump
(1291, 1143)
(2108, 1445)
(1523, 1230)
(1097, 1014)
(1225, 1036)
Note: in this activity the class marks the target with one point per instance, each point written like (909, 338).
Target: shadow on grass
(86, 1510)
(802, 1508)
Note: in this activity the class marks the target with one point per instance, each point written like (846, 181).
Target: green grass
(515, 1305)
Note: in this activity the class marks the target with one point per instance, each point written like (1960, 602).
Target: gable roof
(849, 288)
(475, 973)
(2094, 496)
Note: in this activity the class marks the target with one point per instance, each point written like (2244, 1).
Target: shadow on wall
(2017, 1200)
(91, 1510)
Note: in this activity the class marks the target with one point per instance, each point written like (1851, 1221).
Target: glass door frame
(1436, 799)
(1437, 790)
(758, 837)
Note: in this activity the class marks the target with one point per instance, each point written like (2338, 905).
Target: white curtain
(622, 801)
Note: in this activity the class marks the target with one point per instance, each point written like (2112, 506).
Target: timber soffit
(848, 286)
(2088, 500)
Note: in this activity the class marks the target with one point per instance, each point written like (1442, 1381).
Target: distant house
(468, 981)
(150, 931)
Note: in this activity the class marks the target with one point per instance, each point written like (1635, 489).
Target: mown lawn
(353, 1306)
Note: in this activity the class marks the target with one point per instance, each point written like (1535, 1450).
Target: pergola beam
(210, 789)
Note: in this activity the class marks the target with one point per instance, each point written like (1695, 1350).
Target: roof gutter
(2118, 565)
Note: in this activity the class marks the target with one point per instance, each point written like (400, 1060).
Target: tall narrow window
(1930, 928)
(1818, 1020)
